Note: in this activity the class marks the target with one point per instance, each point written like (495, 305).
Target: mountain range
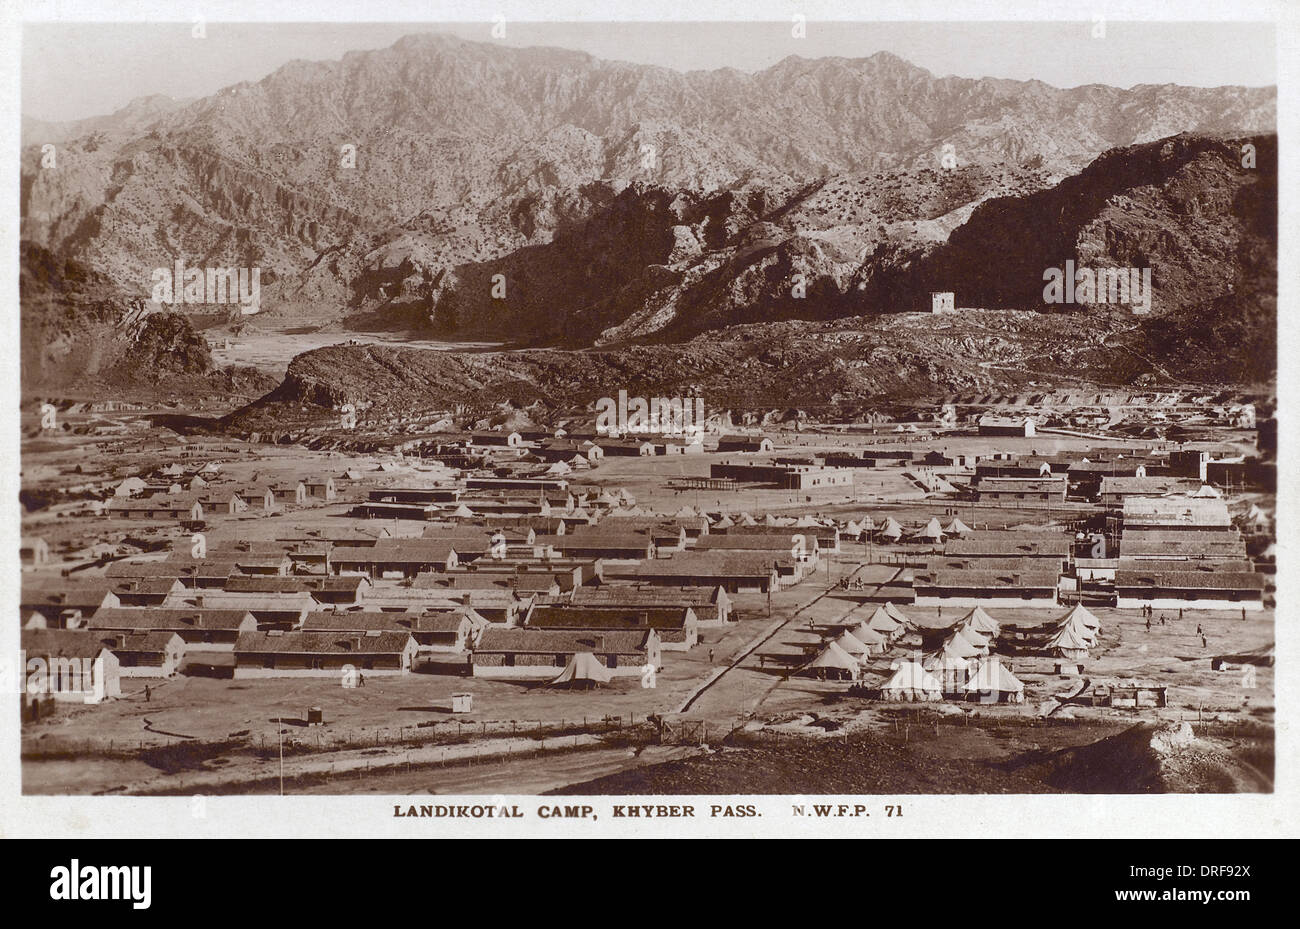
(544, 196)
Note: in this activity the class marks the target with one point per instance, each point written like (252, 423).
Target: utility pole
(279, 728)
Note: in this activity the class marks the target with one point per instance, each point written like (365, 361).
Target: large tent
(883, 623)
(862, 528)
(724, 523)
(958, 528)
(583, 670)
(980, 621)
(890, 529)
(1082, 624)
(973, 636)
(834, 661)
(948, 668)
(991, 683)
(958, 645)
(1079, 615)
(931, 531)
(852, 645)
(898, 616)
(910, 681)
(877, 642)
(1067, 643)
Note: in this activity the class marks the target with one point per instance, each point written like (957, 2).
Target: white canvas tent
(1067, 643)
(973, 636)
(876, 641)
(1082, 624)
(980, 621)
(912, 682)
(991, 682)
(898, 616)
(583, 670)
(958, 528)
(883, 623)
(958, 645)
(1079, 615)
(890, 529)
(834, 661)
(930, 532)
(852, 645)
(948, 668)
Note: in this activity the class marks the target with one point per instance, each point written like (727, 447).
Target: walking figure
(1203, 642)
(1148, 624)
(148, 694)
(1162, 619)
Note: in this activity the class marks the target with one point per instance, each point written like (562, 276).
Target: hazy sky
(74, 70)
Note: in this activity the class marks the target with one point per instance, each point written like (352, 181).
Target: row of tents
(989, 681)
(962, 666)
(843, 655)
(969, 640)
(890, 530)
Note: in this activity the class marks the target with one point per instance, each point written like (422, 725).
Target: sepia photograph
(667, 414)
